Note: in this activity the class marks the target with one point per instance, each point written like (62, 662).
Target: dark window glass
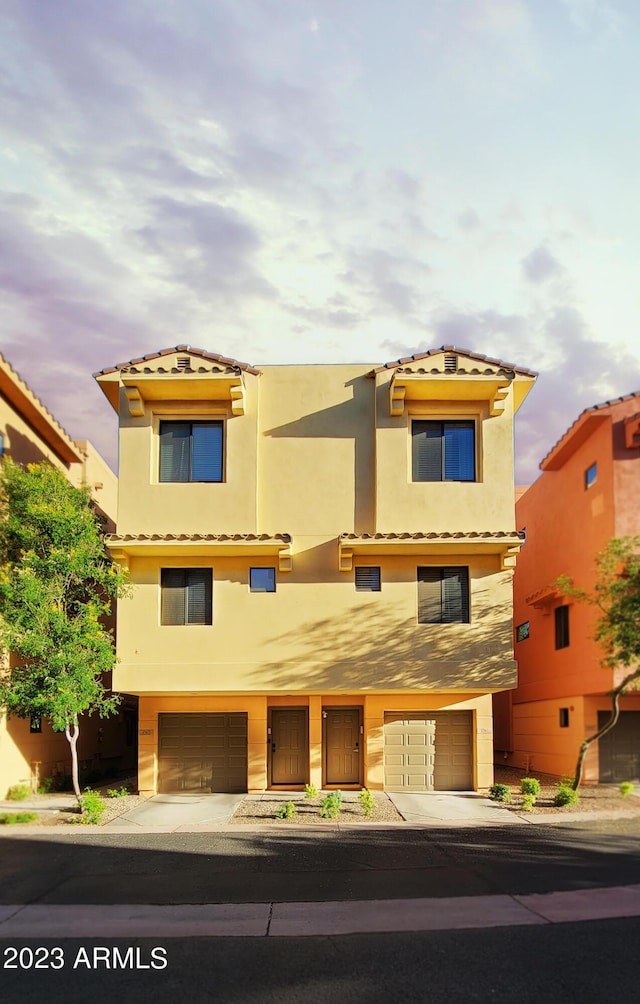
(191, 451)
(186, 596)
(562, 626)
(443, 595)
(262, 580)
(522, 631)
(591, 475)
(564, 718)
(368, 578)
(35, 723)
(443, 451)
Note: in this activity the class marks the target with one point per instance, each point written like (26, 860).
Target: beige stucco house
(322, 562)
(31, 750)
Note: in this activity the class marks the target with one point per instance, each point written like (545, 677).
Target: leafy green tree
(57, 584)
(616, 595)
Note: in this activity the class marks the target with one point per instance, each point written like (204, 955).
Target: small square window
(522, 631)
(35, 723)
(262, 580)
(368, 578)
(564, 718)
(562, 626)
(591, 475)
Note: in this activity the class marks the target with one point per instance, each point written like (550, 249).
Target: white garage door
(428, 751)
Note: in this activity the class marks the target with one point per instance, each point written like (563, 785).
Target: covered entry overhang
(198, 545)
(504, 543)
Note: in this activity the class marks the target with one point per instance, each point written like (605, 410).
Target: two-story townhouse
(586, 494)
(322, 563)
(31, 749)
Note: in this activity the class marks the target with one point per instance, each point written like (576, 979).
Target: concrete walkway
(177, 812)
(257, 920)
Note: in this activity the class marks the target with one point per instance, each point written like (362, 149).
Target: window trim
(459, 422)
(208, 597)
(465, 604)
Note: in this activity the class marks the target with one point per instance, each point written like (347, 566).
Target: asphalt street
(299, 866)
(589, 961)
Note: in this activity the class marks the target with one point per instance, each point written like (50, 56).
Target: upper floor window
(443, 451)
(562, 626)
(186, 596)
(591, 475)
(367, 578)
(191, 451)
(443, 595)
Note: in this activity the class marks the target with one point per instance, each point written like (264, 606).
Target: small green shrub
(500, 792)
(18, 792)
(330, 808)
(286, 811)
(92, 806)
(8, 818)
(530, 786)
(626, 788)
(46, 786)
(565, 796)
(528, 802)
(310, 791)
(117, 792)
(367, 801)
(566, 781)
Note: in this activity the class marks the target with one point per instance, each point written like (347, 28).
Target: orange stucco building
(587, 493)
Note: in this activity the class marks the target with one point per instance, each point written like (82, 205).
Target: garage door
(206, 752)
(619, 750)
(428, 751)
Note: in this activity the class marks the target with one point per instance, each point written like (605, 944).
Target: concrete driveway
(168, 813)
(451, 808)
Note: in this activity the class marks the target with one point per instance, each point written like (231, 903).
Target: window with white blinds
(368, 578)
(443, 595)
(191, 451)
(186, 596)
(443, 451)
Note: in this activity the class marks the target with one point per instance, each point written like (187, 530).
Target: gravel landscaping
(262, 809)
(593, 797)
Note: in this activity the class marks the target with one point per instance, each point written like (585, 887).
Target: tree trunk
(72, 739)
(615, 714)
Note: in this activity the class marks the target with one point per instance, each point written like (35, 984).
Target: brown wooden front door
(343, 746)
(289, 746)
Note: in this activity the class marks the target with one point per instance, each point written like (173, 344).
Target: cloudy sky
(321, 181)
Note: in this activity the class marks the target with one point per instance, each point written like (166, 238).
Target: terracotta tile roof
(133, 365)
(487, 361)
(128, 538)
(448, 535)
(595, 409)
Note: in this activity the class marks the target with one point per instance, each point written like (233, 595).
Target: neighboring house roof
(200, 353)
(33, 411)
(580, 430)
(473, 356)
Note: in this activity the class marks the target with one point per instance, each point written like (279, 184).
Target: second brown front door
(343, 743)
(289, 746)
